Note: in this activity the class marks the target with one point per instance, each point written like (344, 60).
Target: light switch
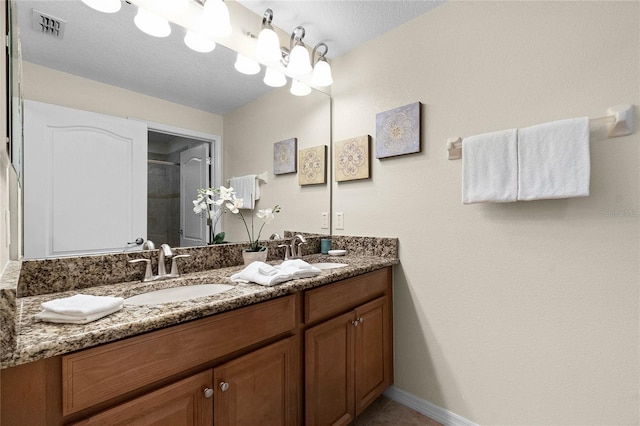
(324, 220)
(339, 220)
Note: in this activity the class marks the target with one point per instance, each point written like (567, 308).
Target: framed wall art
(312, 167)
(398, 131)
(351, 159)
(284, 156)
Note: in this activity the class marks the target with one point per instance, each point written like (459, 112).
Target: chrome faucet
(163, 251)
(296, 250)
(275, 236)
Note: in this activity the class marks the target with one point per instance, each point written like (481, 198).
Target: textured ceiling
(109, 48)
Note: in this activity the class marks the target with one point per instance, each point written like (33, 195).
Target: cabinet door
(373, 352)
(329, 387)
(259, 388)
(181, 404)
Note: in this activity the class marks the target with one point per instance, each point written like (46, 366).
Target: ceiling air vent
(47, 24)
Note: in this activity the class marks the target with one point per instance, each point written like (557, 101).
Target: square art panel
(398, 131)
(352, 159)
(284, 156)
(312, 168)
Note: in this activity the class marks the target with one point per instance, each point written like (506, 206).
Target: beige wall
(523, 313)
(5, 162)
(55, 87)
(249, 135)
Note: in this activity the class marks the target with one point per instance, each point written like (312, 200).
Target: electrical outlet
(324, 220)
(339, 220)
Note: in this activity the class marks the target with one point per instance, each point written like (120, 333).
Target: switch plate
(324, 220)
(339, 220)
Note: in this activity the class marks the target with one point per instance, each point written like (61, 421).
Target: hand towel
(554, 160)
(298, 269)
(246, 187)
(82, 305)
(490, 167)
(251, 273)
(49, 316)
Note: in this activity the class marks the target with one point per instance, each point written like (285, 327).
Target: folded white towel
(49, 316)
(554, 160)
(82, 305)
(490, 167)
(251, 273)
(246, 187)
(298, 268)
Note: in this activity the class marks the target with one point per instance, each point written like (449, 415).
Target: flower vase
(254, 256)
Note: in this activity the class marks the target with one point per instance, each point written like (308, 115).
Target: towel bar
(262, 177)
(619, 120)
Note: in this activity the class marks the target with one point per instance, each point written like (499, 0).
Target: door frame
(215, 147)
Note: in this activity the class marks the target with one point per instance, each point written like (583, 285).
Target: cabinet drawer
(344, 295)
(98, 374)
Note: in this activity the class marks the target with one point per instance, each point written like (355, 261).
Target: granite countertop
(37, 340)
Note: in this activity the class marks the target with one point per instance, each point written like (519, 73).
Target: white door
(194, 175)
(85, 184)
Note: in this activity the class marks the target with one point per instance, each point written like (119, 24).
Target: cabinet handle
(355, 323)
(361, 320)
(208, 393)
(224, 386)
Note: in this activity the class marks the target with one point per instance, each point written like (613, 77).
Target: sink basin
(328, 265)
(177, 294)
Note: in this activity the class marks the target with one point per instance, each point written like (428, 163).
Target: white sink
(328, 265)
(177, 294)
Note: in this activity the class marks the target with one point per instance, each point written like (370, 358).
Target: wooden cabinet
(188, 402)
(259, 388)
(349, 357)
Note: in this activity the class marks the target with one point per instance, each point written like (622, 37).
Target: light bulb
(152, 24)
(198, 42)
(268, 47)
(105, 6)
(216, 15)
(299, 89)
(299, 60)
(246, 65)
(274, 78)
(322, 74)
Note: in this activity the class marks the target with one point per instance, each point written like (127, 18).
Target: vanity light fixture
(268, 46)
(173, 7)
(246, 65)
(151, 23)
(216, 17)
(274, 78)
(322, 70)
(198, 42)
(105, 6)
(298, 88)
(299, 63)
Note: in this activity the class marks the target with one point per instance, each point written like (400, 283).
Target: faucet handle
(174, 264)
(147, 273)
(287, 253)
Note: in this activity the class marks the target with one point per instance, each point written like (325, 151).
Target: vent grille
(47, 24)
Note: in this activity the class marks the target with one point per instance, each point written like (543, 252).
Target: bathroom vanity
(314, 351)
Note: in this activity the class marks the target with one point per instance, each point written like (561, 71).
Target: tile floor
(385, 411)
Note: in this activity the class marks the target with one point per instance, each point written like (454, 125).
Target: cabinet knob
(355, 323)
(224, 386)
(208, 393)
(361, 320)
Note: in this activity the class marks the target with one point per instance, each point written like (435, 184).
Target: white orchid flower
(234, 205)
(266, 215)
(226, 193)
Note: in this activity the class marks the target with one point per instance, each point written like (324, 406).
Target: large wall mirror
(101, 63)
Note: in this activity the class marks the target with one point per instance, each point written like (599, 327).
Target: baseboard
(439, 414)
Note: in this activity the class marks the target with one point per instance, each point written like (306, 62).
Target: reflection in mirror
(103, 64)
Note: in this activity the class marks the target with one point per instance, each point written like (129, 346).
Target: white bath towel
(554, 160)
(247, 188)
(298, 268)
(82, 305)
(490, 167)
(251, 274)
(49, 316)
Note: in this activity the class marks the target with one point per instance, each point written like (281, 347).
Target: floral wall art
(284, 156)
(352, 159)
(312, 168)
(398, 131)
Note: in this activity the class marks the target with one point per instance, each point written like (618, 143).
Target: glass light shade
(299, 89)
(152, 24)
(198, 42)
(105, 6)
(322, 74)
(268, 47)
(246, 65)
(299, 63)
(274, 78)
(216, 15)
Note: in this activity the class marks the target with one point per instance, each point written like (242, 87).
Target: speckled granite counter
(36, 340)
